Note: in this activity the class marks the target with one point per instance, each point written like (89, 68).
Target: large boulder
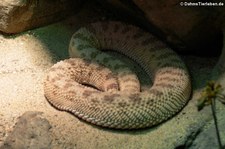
(20, 15)
(31, 131)
(178, 22)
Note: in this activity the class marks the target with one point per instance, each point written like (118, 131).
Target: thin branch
(213, 106)
(221, 95)
(221, 98)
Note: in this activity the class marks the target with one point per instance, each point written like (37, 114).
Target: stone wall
(20, 15)
(195, 28)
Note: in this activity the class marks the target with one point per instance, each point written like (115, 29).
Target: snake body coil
(117, 102)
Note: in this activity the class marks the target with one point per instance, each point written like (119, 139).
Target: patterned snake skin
(111, 97)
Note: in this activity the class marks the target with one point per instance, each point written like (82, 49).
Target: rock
(207, 138)
(31, 131)
(219, 70)
(20, 15)
(195, 28)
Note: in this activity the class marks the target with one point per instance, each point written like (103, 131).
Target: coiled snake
(113, 98)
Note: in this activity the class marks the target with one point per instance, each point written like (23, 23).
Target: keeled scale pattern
(118, 103)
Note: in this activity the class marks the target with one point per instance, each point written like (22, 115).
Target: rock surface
(20, 15)
(188, 28)
(207, 138)
(219, 70)
(31, 131)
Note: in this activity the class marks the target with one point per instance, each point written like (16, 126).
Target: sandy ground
(24, 61)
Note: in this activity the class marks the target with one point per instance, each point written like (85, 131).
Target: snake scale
(111, 97)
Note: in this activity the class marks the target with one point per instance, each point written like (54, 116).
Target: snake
(101, 89)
